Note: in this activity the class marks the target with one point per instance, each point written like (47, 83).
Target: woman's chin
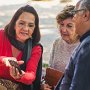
(68, 41)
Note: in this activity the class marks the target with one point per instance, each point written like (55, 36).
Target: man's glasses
(73, 12)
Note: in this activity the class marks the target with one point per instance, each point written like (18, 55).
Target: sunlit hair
(10, 31)
(65, 13)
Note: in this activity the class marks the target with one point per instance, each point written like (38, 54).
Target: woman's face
(24, 26)
(67, 30)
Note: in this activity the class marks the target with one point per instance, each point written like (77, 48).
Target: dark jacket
(77, 74)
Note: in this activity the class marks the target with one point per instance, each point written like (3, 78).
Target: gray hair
(86, 4)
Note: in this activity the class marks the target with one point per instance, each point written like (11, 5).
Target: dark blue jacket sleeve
(81, 76)
(77, 74)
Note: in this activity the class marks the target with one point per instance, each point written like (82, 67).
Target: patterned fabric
(61, 53)
(9, 85)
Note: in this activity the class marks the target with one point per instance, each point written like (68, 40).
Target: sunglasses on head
(73, 12)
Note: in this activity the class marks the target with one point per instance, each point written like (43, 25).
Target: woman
(64, 45)
(19, 43)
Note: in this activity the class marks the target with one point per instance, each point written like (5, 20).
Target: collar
(84, 36)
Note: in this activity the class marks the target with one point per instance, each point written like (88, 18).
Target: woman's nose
(64, 29)
(26, 27)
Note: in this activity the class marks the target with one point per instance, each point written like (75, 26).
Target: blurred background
(47, 11)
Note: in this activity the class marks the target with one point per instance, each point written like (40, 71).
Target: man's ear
(86, 15)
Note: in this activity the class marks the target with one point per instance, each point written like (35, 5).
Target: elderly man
(77, 74)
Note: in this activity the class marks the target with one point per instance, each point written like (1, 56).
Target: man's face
(78, 19)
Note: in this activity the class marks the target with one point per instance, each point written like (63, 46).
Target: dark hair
(10, 31)
(65, 13)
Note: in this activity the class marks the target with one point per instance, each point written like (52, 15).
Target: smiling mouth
(23, 33)
(65, 35)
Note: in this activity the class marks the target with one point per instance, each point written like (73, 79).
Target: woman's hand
(15, 73)
(6, 60)
(45, 87)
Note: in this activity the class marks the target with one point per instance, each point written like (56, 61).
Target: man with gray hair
(77, 74)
